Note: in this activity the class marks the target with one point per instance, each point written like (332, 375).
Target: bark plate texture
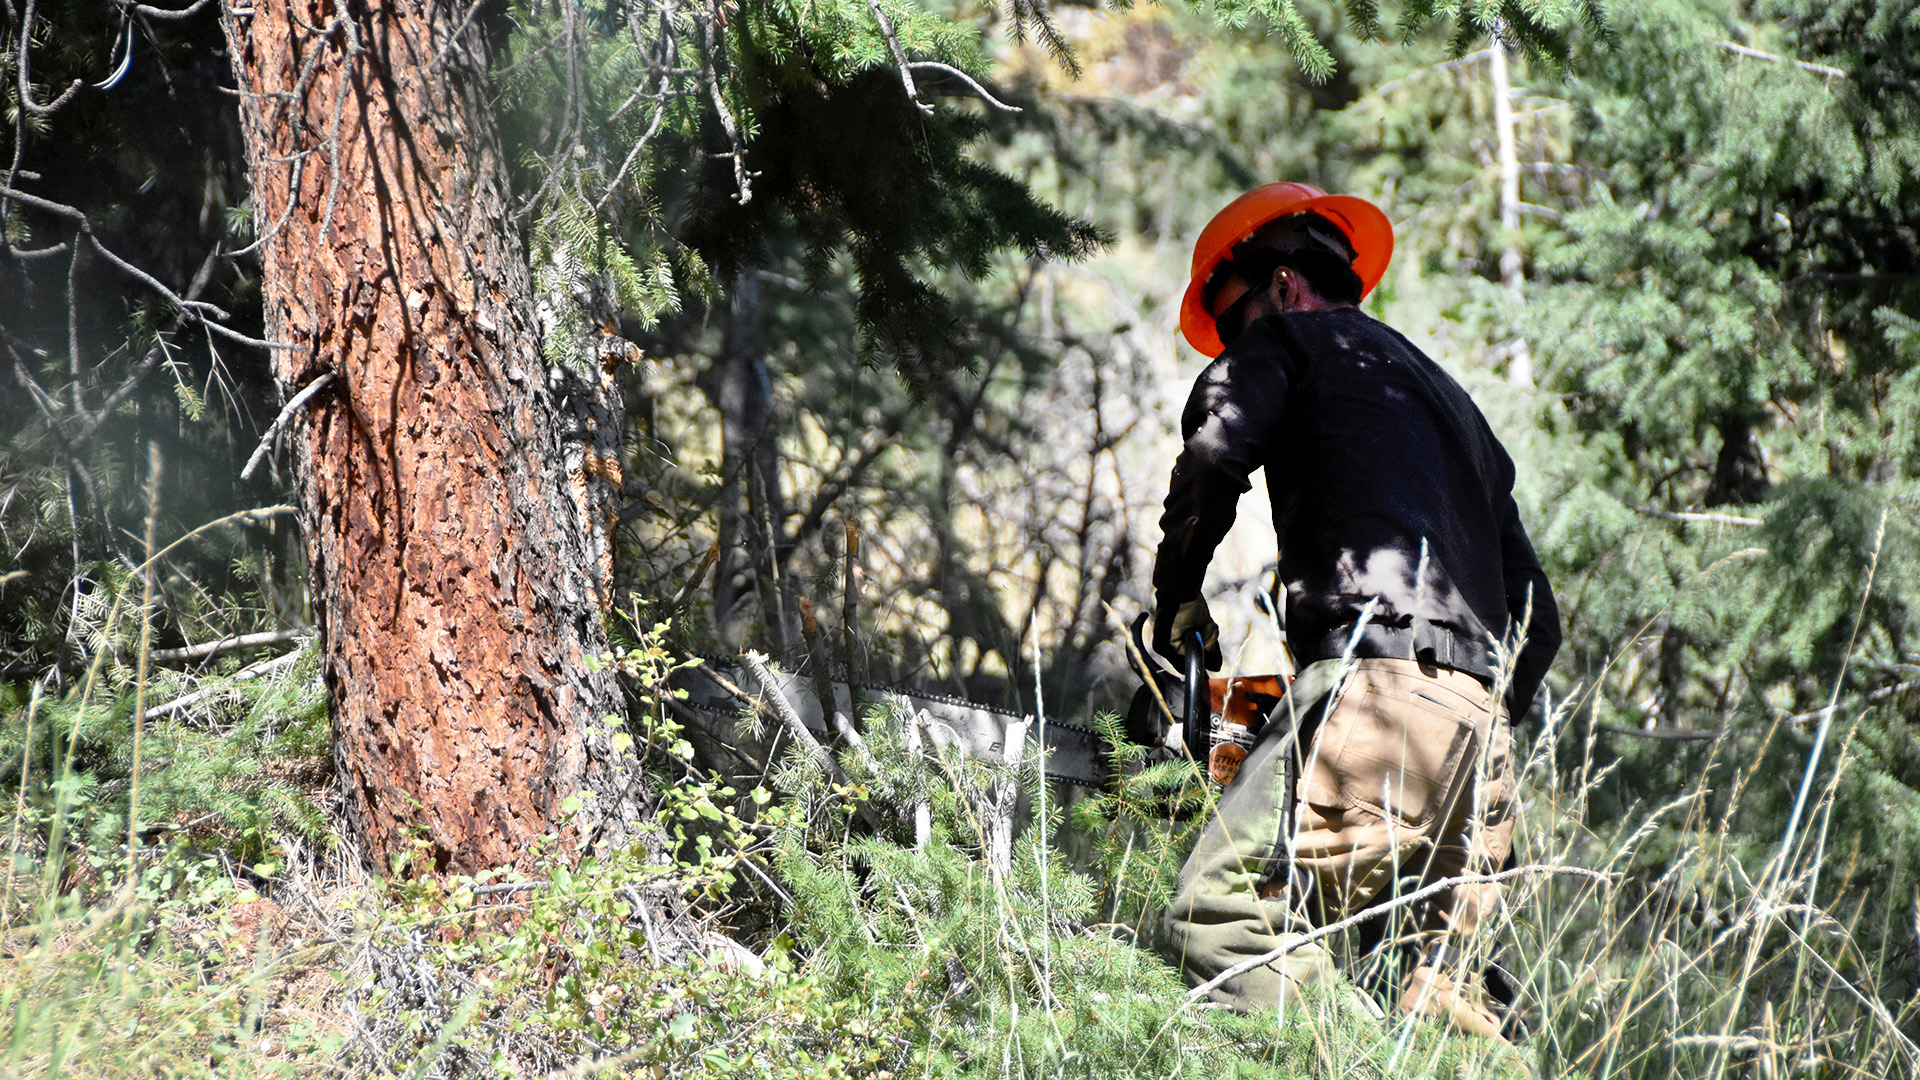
(454, 571)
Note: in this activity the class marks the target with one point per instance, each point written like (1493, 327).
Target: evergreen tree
(1727, 312)
(1727, 318)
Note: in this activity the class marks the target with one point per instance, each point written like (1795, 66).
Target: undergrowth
(906, 914)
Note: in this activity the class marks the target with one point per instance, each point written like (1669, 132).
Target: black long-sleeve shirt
(1387, 485)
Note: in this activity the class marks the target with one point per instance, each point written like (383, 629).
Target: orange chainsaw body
(1239, 706)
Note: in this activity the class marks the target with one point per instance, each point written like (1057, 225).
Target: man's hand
(1170, 636)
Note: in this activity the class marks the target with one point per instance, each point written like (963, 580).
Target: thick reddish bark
(455, 573)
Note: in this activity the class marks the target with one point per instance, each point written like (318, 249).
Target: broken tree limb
(822, 679)
(693, 583)
(1668, 734)
(1512, 260)
(255, 671)
(230, 643)
(853, 653)
(922, 809)
(1817, 69)
(899, 57)
(280, 422)
(978, 90)
(1700, 518)
(756, 665)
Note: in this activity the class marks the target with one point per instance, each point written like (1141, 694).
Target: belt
(1422, 641)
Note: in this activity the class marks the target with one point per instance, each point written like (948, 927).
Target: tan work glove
(1170, 635)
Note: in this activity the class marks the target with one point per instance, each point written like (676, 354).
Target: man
(1400, 548)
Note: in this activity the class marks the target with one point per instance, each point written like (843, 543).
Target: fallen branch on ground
(1669, 734)
(252, 671)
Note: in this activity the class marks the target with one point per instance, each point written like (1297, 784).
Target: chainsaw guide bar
(1073, 754)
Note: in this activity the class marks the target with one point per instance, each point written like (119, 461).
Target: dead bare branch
(231, 643)
(980, 91)
(1817, 69)
(26, 84)
(165, 14)
(453, 38)
(265, 667)
(900, 57)
(1670, 735)
(1704, 519)
(280, 422)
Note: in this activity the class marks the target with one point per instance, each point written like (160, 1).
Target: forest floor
(784, 938)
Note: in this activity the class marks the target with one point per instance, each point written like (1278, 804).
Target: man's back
(1387, 487)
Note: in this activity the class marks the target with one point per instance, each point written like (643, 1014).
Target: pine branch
(287, 413)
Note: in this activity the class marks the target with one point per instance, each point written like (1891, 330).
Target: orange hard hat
(1366, 228)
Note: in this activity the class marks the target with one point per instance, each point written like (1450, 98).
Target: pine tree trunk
(453, 568)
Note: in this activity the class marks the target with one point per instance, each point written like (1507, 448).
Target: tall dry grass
(1688, 948)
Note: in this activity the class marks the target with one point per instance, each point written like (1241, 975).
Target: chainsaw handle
(1198, 723)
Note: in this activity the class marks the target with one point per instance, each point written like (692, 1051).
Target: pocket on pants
(1392, 750)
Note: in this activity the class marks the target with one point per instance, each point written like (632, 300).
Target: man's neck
(1277, 303)
(1314, 302)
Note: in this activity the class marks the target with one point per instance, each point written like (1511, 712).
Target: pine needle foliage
(1725, 334)
(235, 777)
(1007, 946)
(580, 270)
(1140, 830)
(852, 170)
(1727, 309)
(1538, 28)
(859, 131)
(691, 142)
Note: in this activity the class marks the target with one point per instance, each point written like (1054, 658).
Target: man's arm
(1527, 583)
(1201, 505)
(1228, 420)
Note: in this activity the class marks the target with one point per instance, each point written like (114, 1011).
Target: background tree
(1731, 308)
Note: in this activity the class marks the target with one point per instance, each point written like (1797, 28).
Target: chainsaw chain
(948, 699)
(709, 663)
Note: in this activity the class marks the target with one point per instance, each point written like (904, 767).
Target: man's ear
(1286, 287)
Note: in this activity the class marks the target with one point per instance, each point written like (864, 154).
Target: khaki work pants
(1408, 778)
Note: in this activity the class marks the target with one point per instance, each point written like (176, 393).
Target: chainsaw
(1219, 721)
